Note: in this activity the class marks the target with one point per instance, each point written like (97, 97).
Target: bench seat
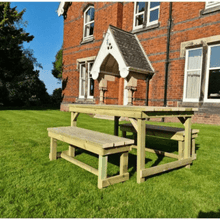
(172, 133)
(95, 142)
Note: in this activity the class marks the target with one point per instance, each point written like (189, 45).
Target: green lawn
(31, 186)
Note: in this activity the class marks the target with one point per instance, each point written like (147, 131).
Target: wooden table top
(133, 111)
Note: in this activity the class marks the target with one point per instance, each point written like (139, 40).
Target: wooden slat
(161, 131)
(166, 154)
(74, 116)
(165, 167)
(156, 127)
(115, 179)
(134, 123)
(100, 139)
(73, 107)
(113, 112)
(108, 151)
(79, 163)
(162, 114)
(80, 143)
(133, 111)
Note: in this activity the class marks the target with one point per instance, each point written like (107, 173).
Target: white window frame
(80, 80)
(88, 23)
(89, 77)
(149, 10)
(206, 99)
(211, 4)
(135, 15)
(82, 96)
(186, 74)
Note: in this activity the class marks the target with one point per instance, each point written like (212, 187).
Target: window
(90, 82)
(86, 82)
(145, 14)
(211, 4)
(192, 79)
(193, 72)
(82, 81)
(88, 29)
(212, 88)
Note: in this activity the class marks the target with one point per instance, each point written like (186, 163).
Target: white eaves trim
(103, 53)
(211, 4)
(60, 9)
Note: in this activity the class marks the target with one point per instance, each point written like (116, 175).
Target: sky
(47, 29)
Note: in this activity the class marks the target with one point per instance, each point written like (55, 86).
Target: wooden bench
(172, 133)
(95, 142)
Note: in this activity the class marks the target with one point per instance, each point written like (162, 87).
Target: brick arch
(87, 6)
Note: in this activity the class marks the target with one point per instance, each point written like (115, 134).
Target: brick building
(137, 53)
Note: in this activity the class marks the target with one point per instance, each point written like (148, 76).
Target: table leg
(116, 123)
(187, 147)
(141, 133)
(53, 149)
(74, 116)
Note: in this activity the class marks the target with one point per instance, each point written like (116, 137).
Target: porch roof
(131, 49)
(122, 51)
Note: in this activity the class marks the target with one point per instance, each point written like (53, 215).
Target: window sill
(143, 29)
(85, 101)
(87, 40)
(210, 10)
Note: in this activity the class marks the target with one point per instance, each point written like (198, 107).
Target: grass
(31, 186)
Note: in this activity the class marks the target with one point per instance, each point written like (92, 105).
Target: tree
(58, 65)
(19, 82)
(11, 39)
(27, 88)
(57, 96)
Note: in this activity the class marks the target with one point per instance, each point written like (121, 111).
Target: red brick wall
(73, 50)
(187, 24)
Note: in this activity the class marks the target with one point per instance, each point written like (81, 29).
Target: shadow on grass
(209, 214)
(113, 159)
(151, 142)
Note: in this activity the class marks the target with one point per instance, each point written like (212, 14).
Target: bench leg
(141, 133)
(193, 153)
(188, 139)
(124, 163)
(53, 149)
(103, 160)
(72, 151)
(180, 150)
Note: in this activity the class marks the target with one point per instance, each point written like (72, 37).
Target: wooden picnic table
(138, 115)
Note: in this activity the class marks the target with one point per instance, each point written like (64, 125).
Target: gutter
(168, 54)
